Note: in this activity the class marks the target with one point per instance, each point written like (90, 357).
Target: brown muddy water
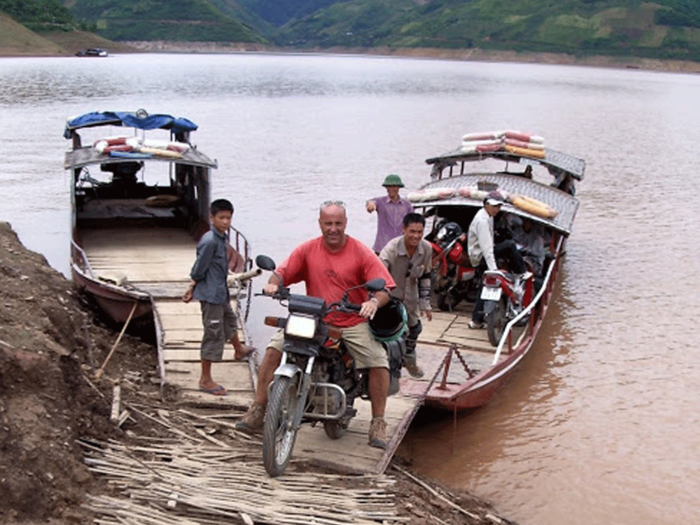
(600, 423)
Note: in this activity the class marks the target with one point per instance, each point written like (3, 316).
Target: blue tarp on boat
(133, 120)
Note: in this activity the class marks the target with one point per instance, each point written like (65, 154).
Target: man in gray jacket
(408, 259)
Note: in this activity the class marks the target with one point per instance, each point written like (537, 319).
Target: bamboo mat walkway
(208, 473)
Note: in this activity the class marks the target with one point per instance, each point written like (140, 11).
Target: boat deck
(158, 261)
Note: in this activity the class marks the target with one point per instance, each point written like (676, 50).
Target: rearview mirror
(375, 285)
(266, 263)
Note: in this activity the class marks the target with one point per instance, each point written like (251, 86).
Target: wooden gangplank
(158, 261)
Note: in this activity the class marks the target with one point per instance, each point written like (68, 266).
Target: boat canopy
(139, 119)
(565, 205)
(553, 160)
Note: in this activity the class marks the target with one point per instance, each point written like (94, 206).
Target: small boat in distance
(92, 52)
(467, 366)
(139, 206)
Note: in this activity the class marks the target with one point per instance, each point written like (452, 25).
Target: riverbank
(71, 43)
(55, 411)
(473, 55)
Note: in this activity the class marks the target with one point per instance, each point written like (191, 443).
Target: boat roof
(553, 160)
(566, 205)
(139, 119)
(88, 156)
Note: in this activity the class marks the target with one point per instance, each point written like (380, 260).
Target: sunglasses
(332, 203)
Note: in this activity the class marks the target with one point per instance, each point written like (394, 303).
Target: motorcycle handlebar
(243, 276)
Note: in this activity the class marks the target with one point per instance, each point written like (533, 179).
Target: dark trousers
(503, 250)
(411, 340)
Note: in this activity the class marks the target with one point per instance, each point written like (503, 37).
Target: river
(599, 424)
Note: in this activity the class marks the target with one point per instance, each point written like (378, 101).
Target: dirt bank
(51, 343)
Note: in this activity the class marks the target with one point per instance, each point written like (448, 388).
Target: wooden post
(114, 347)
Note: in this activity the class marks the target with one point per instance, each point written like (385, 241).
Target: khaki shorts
(363, 347)
(220, 325)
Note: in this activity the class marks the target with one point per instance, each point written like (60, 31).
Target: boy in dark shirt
(209, 287)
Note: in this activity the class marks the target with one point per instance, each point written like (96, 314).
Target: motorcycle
(454, 279)
(316, 380)
(504, 296)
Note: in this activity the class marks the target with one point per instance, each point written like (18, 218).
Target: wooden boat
(92, 52)
(470, 369)
(139, 206)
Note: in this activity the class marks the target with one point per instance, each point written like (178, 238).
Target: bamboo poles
(198, 479)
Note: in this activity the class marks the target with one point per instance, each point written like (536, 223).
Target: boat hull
(115, 301)
(480, 389)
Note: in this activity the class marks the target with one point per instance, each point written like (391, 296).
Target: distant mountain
(38, 15)
(17, 40)
(665, 29)
(181, 21)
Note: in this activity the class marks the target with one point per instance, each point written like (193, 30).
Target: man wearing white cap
(483, 251)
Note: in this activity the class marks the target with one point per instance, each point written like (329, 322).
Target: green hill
(182, 21)
(17, 40)
(666, 29)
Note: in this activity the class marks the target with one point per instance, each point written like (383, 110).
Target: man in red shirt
(329, 265)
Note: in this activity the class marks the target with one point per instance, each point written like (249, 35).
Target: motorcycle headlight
(301, 326)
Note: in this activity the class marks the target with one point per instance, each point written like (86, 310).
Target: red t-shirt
(329, 274)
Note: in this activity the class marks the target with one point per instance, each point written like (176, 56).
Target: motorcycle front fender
(287, 370)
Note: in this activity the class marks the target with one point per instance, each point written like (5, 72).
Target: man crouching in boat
(329, 265)
(483, 251)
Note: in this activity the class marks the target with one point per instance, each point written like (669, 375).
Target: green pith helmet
(393, 180)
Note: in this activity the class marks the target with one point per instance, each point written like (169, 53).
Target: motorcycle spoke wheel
(496, 321)
(279, 433)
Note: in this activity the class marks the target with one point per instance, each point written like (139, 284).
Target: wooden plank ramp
(158, 261)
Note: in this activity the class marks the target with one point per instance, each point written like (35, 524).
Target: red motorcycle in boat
(504, 296)
(454, 279)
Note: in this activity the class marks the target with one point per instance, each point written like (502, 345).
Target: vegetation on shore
(637, 30)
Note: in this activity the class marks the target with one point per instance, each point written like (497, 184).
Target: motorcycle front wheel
(496, 320)
(279, 433)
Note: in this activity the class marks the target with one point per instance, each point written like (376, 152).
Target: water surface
(599, 425)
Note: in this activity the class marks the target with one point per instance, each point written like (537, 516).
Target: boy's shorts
(363, 347)
(220, 325)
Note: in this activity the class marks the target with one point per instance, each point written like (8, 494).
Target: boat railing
(79, 257)
(542, 296)
(239, 243)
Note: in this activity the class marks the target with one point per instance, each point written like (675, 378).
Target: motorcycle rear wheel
(496, 321)
(278, 434)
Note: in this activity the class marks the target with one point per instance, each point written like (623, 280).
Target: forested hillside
(665, 29)
(184, 20)
(38, 15)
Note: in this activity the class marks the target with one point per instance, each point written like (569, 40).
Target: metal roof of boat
(552, 159)
(87, 156)
(134, 119)
(565, 204)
